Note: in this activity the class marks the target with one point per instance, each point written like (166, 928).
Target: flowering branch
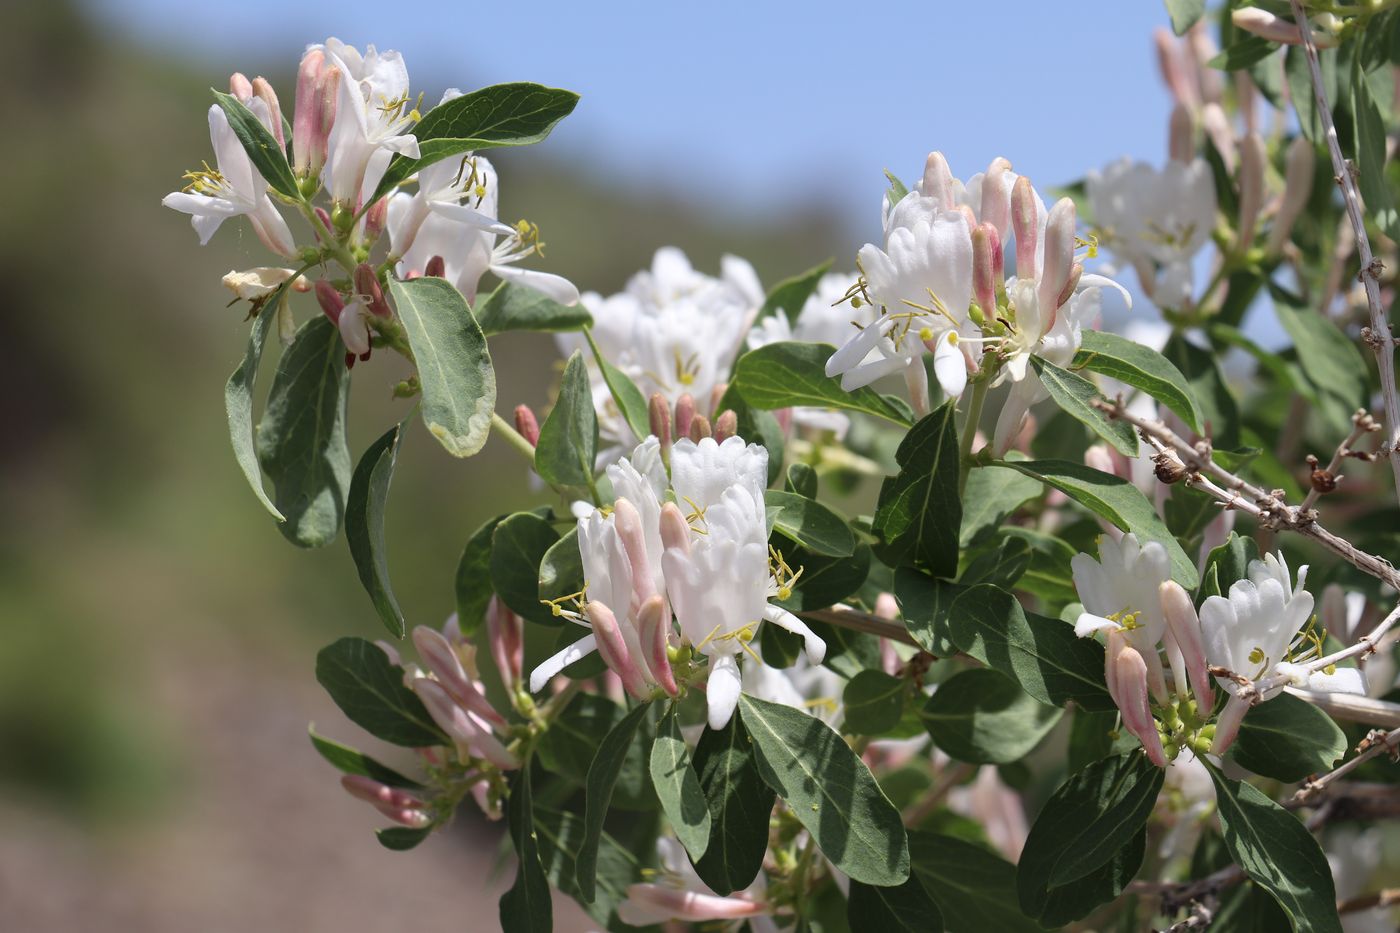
(1375, 744)
(1378, 335)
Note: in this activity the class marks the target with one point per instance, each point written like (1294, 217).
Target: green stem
(328, 239)
(516, 439)
(969, 430)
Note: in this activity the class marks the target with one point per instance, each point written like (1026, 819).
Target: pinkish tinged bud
(1254, 161)
(648, 904)
(264, 92)
(968, 215)
(505, 631)
(1222, 135)
(471, 734)
(1263, 23)
(1203, 49)
(716, 396)
(240, 87)
(612, 648)
(1297, 188)
(306, 118)
(675, 531)
(700, 428)
(1066, 293)
(452, 631)
(1025, 225)
(330, 300)
(1127, 684)
(527, 424)
(887, 608)
(628, 523)
(659, 414)
(1185, 627)
(399, 806)
(1099, 457)
(996, 196)
(436, 267)
(726, 425)
(1181, 146)
(986, 256)
(440, 657)
(367, 285)
(938, 180)
(1169, 63)
(1058, 263)
(375, 219)
(653, 624)
(685, 414)
(916, 377)
(1227, 725)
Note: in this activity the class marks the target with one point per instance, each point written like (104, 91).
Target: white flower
(1156, 221)
(673, 331)
(373, 121)
(233, 189)
(1119, 592)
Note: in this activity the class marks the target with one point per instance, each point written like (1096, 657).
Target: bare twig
(1378, 334)
(1375, 744)
(1326, 479)
(1386, 897)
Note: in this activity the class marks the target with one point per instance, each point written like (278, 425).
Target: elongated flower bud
(685, 414)
(1227, 726)
(628, 522)
(938, 180)
(505, 631)
(330, 300)
(1059, 260)
(612, 648)
(263, 90)
(527, 424)
(726, 425)
(1254, 161)
(1169, 63)
(986, 262)
(716, 396)
(1075, 271)
(1186, 629)
(1127, 684)
(675, 531)
(240, 87)
(1203, 49)
(1182, 135)
(996, 196)
(1025, 226)
(1263, 23)
(654, 628)
(1222, 135)
(375, 219)
(367, 285)
(398, 805)
(436, 267)
(659, 416)
(700, 428)
(437, 653)
(1297, 188)
(306, 118)
(325, 97)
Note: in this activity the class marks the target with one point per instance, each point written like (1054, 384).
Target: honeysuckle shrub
(995, 577)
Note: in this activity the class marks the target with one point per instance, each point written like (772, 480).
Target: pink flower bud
(307, 116)
(1297, 188)
(1025, 225)
(436, 267)
(527, 424)
(263, 90)
(398, 805)
(505, 632)
(1066, 293)
(1254, 162)
(1222, 135)
(675, 531)
(648, 904)
(1059, 259)
(1173, 73)
(612, 648)
(628, 523)
(440, 657)
(1182, 135)
(330, 300)
(1100, 457)
(1263, 23)
(685, 413)
(726, 425)
(659, 414)
(367, 285)
(996, 196)
(1185, 628)
(1127, 684)
(320, 110)
(1227, 726)
(375, 219)
(654, 627)
(938, 180)
(716, 396)
(240, 87)
(986, 267)
(700, 428)
(471, 734)
(1203, 49)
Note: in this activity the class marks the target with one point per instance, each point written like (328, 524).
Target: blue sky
(754, 104)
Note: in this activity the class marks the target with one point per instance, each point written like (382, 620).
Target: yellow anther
(697, 514)
(925, 334)
(1126, 618)
(205, 181)
(687, 369)
(1256, 656)
(784, 578)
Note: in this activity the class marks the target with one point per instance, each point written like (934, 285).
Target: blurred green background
(158, 634)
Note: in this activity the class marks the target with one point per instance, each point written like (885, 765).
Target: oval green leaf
(983, 717)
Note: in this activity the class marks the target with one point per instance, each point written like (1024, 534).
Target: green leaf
(1329, 359)
(1288, 739)
(569, 436)
(267, 157)
(1226, 564)
(517, 114)
(560, 836)
(810, 524)
(454, 365)
(518, 307)
(527, 906)
(991, 496)
(757, 427)
(1300, 88)
(874, 703)
(1275, 850)
(1184, 14)
(353, 761)
(1071, 902)
(473, 580)
(1002, 564)
(830, 791)
(802, 480)
(568, 747)
(919, 512)
(1049, 577)
(740, 805)
(1043, 655)
(1091, 738)
(1084, 825)
(924, 602)
(561, 568)
(790, 295)
(787, 374)
(1111, 498)
(889, 910)
(370, 691)
(1142, 368)
(518, 545)
(626, 396)
(301, 438)
(598, 787)
(897, 191)
(982, 717)
(364, 525)
(678, 786)
(1208, 387)
(975, 889)
(1369, 148)
(402, 838)
(1076, 397)
(1243, 53)
(238, 399)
